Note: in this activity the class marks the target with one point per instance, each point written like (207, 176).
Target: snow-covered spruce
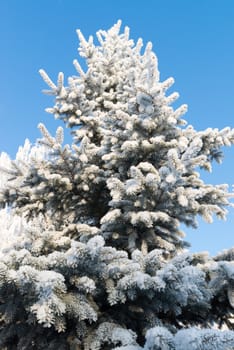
(92, 255)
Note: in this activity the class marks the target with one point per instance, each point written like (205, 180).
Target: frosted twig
(47, 79)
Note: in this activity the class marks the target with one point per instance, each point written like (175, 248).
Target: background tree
(92, 254)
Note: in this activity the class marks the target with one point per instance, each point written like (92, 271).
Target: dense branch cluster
(92, 253)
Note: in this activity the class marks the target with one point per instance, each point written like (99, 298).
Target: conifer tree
(92, 253)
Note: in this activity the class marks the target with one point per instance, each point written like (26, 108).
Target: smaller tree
(92, 254)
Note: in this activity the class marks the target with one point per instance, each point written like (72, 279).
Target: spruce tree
(92, 252)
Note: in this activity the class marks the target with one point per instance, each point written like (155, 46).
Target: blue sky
(194, 42)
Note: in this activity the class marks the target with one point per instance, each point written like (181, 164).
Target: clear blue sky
(194, 42)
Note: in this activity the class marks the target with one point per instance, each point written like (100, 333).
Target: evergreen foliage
(92, 253)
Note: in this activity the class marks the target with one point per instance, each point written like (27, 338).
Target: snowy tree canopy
(92, 253)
